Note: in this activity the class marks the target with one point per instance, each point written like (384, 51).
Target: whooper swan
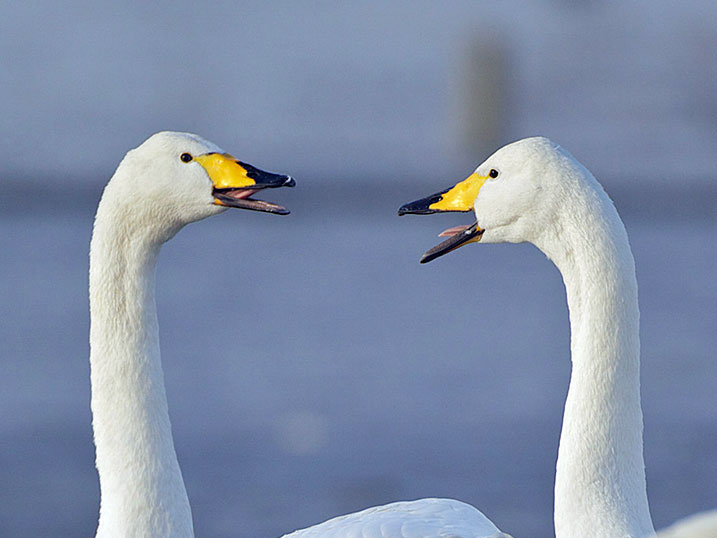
(534, 191)
(173, 179)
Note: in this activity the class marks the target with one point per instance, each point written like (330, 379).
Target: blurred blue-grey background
(313, 367)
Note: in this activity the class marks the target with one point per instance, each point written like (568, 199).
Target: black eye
(186, 157)
(493, 173)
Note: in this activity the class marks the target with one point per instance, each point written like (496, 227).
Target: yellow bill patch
(225, 171)
(462, 196)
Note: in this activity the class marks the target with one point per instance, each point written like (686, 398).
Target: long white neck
(600, 488)
(141, 486)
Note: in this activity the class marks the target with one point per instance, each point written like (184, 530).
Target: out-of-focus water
(313, 367)
(375, 86)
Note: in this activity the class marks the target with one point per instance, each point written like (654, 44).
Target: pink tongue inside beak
(450, 232)
(240, 194)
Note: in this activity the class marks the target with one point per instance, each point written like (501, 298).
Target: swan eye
(186, 157)
(493, 173)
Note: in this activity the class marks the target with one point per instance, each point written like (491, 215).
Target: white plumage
(424, 518)
(700, 525)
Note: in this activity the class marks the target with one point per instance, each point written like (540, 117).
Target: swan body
(424, 518)
(700, 525)
(534, 191)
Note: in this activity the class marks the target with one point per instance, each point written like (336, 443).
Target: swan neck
(141, 488)
(600, 487)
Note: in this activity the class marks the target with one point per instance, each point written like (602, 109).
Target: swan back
(700, 525)
(423, 518)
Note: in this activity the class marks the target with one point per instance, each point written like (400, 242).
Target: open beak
(234, 182)
(459, 198)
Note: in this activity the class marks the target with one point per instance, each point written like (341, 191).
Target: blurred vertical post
(480, 98)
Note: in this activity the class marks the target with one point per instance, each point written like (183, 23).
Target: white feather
(424, 518)
(700, 525)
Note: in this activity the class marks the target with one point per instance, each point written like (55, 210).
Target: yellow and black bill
(234, 182)
(425, 206)
(459, 198)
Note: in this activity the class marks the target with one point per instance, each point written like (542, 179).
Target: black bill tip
(266, 180)
(422, 206)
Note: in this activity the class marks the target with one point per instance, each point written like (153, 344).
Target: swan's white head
(173, 179)
(515, 194)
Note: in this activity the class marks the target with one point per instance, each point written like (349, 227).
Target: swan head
(515, 195)
(174, 178)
